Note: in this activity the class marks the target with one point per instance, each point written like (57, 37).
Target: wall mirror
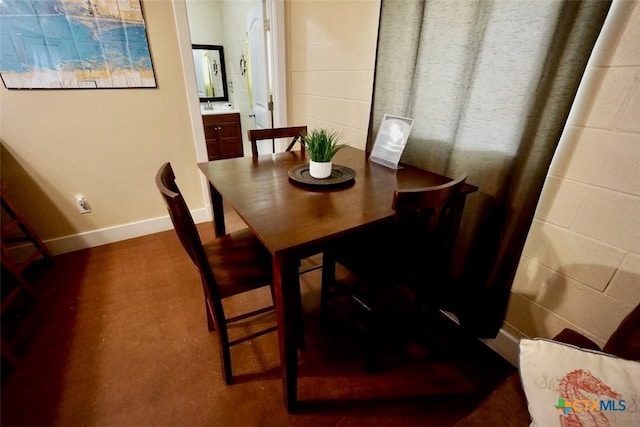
(211, 76)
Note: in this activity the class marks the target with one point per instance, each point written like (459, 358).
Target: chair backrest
(424, 224)
(295, 132)
(426, 207)
(183, 222)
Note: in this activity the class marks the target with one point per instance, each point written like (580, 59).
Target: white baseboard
(107, 235)
(506, 345)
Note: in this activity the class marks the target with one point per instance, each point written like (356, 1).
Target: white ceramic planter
(320, 170)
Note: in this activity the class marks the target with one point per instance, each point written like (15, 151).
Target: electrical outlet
(83, 205)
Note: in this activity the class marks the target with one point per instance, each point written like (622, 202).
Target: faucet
(209, 105)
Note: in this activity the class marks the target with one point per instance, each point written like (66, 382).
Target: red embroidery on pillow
(579, 409)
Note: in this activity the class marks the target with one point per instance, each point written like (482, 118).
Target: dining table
(297, 217)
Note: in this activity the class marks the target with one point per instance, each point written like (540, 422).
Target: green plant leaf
(322, 145)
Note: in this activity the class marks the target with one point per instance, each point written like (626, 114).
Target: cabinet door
(223, 135)
(212, 139)
(230, 139)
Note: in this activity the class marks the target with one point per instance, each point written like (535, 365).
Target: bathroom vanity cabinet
(223, 135)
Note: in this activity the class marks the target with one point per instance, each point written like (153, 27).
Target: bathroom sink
(210, 108)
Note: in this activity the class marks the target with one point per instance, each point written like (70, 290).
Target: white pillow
(570, 386)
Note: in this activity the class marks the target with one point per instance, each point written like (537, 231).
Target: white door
(260, 86)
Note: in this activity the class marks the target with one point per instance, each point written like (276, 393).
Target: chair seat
(239, 261)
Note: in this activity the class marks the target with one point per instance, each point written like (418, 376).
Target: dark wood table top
(286, 215)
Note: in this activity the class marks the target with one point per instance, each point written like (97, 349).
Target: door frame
(278, 63)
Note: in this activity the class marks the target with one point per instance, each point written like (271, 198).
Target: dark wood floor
(119, 337)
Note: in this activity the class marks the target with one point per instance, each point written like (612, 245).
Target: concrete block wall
(331, 57)
(581, 264)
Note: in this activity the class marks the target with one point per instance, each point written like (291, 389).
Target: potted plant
(322, 145)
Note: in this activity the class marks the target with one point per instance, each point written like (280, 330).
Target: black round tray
(340, 175)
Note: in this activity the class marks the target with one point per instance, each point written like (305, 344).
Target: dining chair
(295, 132)
(229, 265)
(395, 272)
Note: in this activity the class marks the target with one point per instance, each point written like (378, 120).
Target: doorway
(274, 11)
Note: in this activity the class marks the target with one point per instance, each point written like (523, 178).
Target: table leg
(328, 281)
(218, 212)
(285, 280)
(456, 215)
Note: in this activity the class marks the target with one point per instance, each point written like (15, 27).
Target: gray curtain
(490, 85)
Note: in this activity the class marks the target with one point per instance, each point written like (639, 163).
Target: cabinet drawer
(221, 118)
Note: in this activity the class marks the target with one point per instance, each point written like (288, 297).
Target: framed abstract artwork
(74, 44)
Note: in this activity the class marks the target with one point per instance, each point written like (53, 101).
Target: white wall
(234, 18)
(205, 21)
